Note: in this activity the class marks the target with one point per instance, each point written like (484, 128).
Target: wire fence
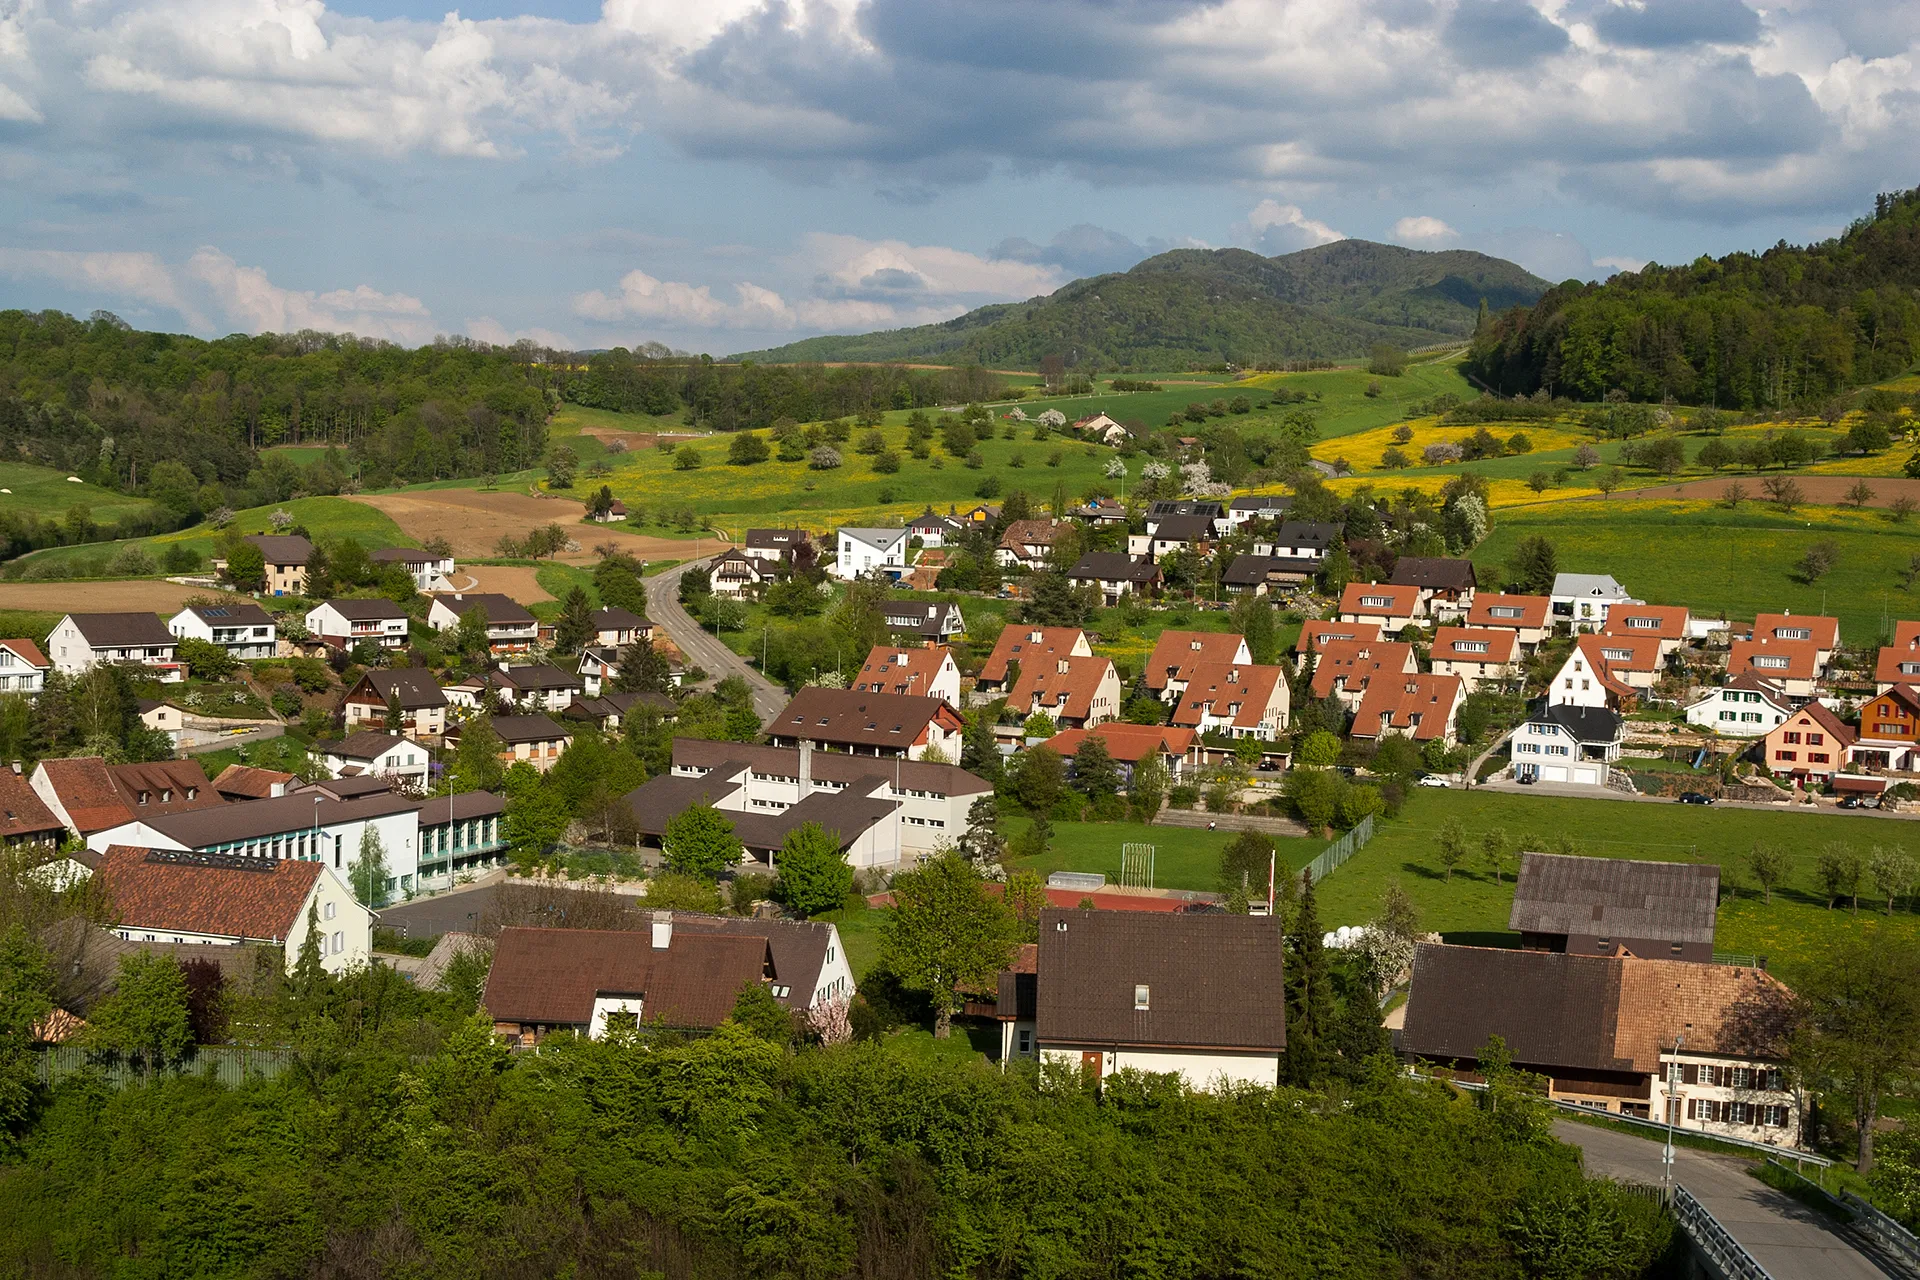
(230, 1065)
(1340, 850)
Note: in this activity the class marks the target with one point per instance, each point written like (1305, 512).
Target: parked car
(1851, 802)
(1527, 779)
(1433, 780)
(1695, 797)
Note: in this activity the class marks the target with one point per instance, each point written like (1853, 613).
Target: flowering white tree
(1017, 414)
(1444, 451)
(1473, 515)
(829, 1021)
(1196, 479)
(823, 458)
(1053, 418)
(1116, 469)
(281, 519)
(1155, 470)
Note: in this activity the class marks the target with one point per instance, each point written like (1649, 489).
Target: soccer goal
(1136, 865)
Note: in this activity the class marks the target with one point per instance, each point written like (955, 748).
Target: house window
(1816, 739)
(1790, 737)
(1786, 755)
(339, 943)
(331, 908)
(1140, 997)
(1817, 757)
(1026, 1040)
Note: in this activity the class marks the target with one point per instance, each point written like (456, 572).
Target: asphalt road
(1792, 1241)
(701, 649)
(1508, 786)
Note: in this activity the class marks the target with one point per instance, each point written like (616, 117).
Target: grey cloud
(102, 201)
(1552, 255)
(1502, 33)
(1083, 250)
(1666, 24)
(893, 280)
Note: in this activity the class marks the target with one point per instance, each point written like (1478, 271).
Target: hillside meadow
(48, 495)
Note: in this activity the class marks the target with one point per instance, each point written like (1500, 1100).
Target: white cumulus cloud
(1274, 228)
(1423, 232)
(246, 296)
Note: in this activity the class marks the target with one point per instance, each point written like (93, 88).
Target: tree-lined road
(703, 650)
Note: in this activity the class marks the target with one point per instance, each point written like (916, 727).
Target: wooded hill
(1208, 305)
(1789, 326)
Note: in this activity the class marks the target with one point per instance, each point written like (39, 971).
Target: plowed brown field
(472, 520)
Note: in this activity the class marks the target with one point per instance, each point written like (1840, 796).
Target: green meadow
(49, 495)
(1184, 857)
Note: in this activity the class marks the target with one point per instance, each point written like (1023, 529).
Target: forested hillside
(1208, 305)
(1792, 325)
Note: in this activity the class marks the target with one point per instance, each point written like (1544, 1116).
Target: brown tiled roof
(891, 670)
(895, 720)
(1213, 981)
(1176, 653)
(118, 630)
(1661, 621)
(552, 976)
(1904, 649)
(1024, 644)
(1317, 635)
(500, 610)
(414, 687)
(1113, 566)
(1801, 659)
(1825, 631)
(405, 555)
(614, 618)
(97, 795)
(1501, 645)
(798, 947)
(1615, 897)
(29, 652)
(190, 893)
(1611, 657)
(828, 766)
(1488, 610)
(249, 782)
(366, 610)
(282, 548)
(1420, 706)
(1022, 533)
(364, 745)
(1402, 599)
(536, 677)
(278, 815)
(85, 790)
(1355, 664)
(1719, 1008)
(1064, 687)
(1183, 529)
(536, 728)
(1128, 743)
(24, 815)
(1432, 573)
(1217, 687)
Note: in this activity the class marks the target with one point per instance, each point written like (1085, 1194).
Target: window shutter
(1693, 1108)
(1690, 1074)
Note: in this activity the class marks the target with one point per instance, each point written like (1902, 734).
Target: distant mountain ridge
(1187, 305)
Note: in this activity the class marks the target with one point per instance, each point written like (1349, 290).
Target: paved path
(1792, 1241)
(1505, 783)
(701, 649)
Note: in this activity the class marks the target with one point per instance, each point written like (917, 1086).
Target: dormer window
(1140, 997)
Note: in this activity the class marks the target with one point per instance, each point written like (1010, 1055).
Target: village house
(1421, 707)
(1822, 633)
(385, 755)
(241, 782)
(1309, 540)
(412, 690)
(532, 739)
(89, 795)
(243, 628)
(874, 724)
(1176, 654)
(346, 623)
(1115, 576)
(1259, 506)
(1609, 1032)
(773, 548)
(614, 512)
(510, 628)
(1744, 707)
(162, 717)
(1171, 534)
(1315, 636)
(1811, 744)
(25, 818)
(79, 641)
(1794, 665)
(1102, 511)
(23, 667)
(1616, 906)
(927, 621)
(863, 818)
(1567, 743)
(1583, 600)
(1102, 428)
(1475, 655)
(1182, 508)
(1344, 669)
(174, 896)
(1019, 645)
(1445, 586)
(737, 576)
(1132, 745)
(933, 799)
(1606, 671)
(599, 667)
(286, 556)
(429, 570)
(1199, 996)
(1530, 618)
(1077, 693)
(608, 711)
(1241, 700)
(923, 671)
(935, 530)
(1898, 663)
(1669, 624)
(539, 687)
(1889, 731)
(1028, 544)
(620, 627)
(1257, 574)
(1393, 608)
(861, 551)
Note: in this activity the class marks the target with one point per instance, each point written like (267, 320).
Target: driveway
(701, 649)
(1792, 1241)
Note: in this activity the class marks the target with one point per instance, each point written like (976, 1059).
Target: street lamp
(1673, 1106)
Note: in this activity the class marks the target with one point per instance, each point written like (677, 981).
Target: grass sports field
(1791, 930)
(1184, 857)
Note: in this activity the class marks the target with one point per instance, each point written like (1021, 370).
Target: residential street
(1792, 1241)
(701, 649)
(1506, 785)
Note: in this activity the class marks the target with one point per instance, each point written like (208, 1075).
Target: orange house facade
(1889, 731)
(1812, 743)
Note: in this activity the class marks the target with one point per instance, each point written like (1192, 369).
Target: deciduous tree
(946, 932)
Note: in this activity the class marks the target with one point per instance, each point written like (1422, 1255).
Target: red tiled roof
(23, 815)
(1028, 644)
(1177, 653)
(890, 670)
(1403, 600)
(245, 780)
(1356, 662)
(29, 653)
(1825, 632)
(1775, 659)
(1484, 612)
(1431, 698)
(226, 897)
(1662, 622)
(1905, 648)
(1317, 635)
(1128, 743)
(1216, 688)
(1063, 688)
(1500, 645)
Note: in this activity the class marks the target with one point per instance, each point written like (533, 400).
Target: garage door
(1587, 775)
(1553, 773)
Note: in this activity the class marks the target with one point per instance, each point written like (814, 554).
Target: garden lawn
(1184, 857)
(1726, 563)
(859, 928)
(1472, 908)
(49, 495)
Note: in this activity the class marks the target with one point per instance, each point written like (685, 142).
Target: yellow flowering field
(1364, 449)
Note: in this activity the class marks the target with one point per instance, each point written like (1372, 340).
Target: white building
(1746, 707)
(510, 628)
(171, 896)
(80, 640)
(1567, 744)
(1584, 599)
(23, 668)
(345, 623)
(428, 569)
(865, 550)
(376, 754)
(243, 629)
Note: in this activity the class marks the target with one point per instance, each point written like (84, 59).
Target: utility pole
(1673, 1106)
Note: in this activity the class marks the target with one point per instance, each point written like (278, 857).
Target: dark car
(1527, 779)
(1851, 802)
(1695, 797)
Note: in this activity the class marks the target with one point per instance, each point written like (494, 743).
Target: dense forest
(1790, 326)
(1211, 305)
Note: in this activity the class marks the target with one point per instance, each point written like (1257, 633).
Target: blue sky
(732, 174)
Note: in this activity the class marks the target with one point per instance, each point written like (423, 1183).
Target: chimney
(806, 767)
(662, 930)
(16, 768)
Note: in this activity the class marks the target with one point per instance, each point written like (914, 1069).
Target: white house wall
(1201, 1069)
